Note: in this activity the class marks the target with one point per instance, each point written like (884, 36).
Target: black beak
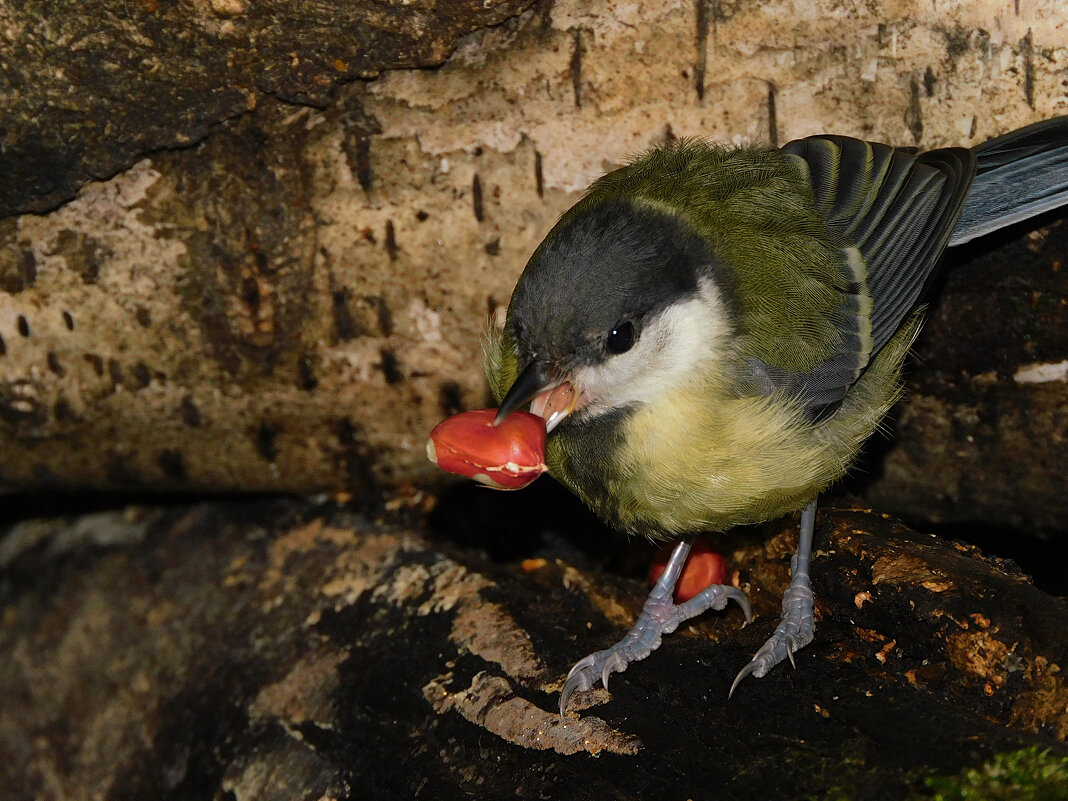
(531, 382)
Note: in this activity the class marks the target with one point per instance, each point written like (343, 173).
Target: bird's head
(620, 305)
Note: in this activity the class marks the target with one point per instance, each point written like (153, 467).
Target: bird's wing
(896, 210)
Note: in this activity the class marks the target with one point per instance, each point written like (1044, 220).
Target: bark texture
(90, 88)
(294, 297)
(244, 246)
(276, 650)
(982, 438)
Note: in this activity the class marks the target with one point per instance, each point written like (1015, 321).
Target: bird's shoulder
(796, 290)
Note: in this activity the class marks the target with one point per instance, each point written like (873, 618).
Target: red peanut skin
(704, 567)
(508, 456)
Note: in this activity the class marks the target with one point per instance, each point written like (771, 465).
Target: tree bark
(90, 88)
(273, 276)
(276, 650)
(294, 297)
(981, 439)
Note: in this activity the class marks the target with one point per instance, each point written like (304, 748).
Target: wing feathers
(897, 209)
(895, 213)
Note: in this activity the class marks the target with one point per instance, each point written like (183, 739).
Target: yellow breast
(701, 459)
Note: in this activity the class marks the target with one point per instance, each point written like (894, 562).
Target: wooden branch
(89, 88)
(272, 649)
(292, 304)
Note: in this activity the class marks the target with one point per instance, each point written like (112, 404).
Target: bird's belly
(754, 460)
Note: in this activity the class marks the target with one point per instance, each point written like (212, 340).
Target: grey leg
(797, 624)
(660, 615)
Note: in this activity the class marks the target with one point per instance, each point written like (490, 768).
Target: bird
(712, 332)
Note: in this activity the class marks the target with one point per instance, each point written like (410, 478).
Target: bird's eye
(621, 338)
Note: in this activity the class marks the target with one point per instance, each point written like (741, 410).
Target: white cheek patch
(669, 348)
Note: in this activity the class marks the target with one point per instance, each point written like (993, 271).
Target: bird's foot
(659, 616)
(793, 633)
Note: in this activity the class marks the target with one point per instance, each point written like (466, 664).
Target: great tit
(712, 333)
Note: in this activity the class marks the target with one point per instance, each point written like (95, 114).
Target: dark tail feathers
(1019, 175)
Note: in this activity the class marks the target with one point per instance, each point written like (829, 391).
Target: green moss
(1027, 775)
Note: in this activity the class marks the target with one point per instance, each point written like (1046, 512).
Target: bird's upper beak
(552, 399)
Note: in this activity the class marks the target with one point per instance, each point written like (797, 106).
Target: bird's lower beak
(554, 404)
(551, 399)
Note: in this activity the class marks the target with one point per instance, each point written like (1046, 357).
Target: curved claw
(580, 677)
(762, 661)
(565, 694)
(614, 663)
(748, 669)
(582, 664)
(577, 679)
(790, 651)
(659, 616)
(572, 684)
(742, 600)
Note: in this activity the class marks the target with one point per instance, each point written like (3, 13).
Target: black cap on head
(617, 262)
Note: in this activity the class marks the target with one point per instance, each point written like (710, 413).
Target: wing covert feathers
(898, 209)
